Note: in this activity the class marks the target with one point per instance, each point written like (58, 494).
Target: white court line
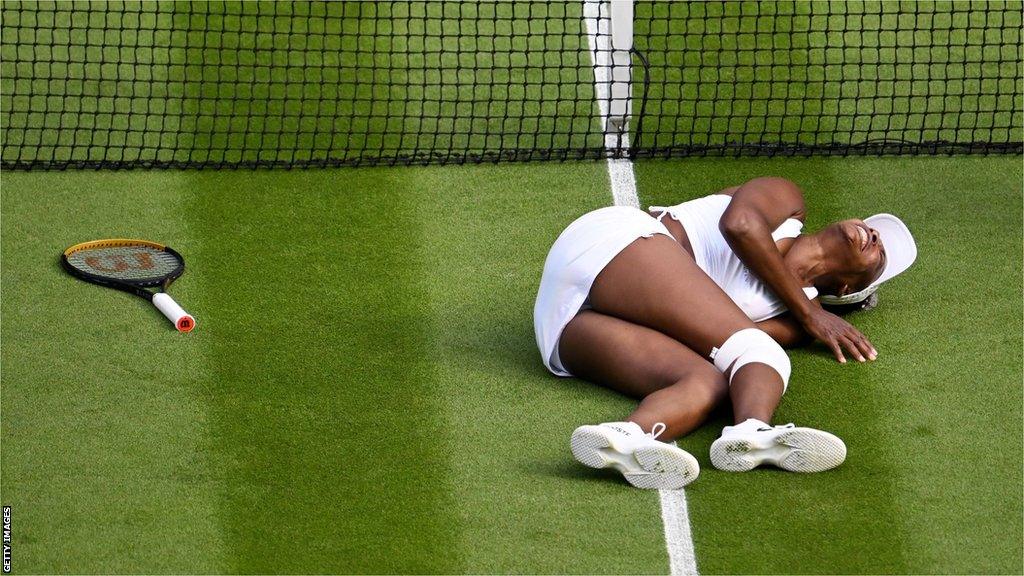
(674, 513)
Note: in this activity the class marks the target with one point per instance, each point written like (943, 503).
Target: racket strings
(125, 263)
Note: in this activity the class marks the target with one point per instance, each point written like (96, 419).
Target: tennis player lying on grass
(688, 305)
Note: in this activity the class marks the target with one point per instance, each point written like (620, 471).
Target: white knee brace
(751, 345)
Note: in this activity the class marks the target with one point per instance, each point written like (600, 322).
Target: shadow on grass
(568, 469)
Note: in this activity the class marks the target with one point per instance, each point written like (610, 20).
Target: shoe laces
(656, 431)
(779, 427)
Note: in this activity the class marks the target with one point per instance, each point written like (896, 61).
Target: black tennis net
(124, 84)
(821, 77)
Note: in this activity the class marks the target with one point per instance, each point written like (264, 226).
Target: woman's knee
(714, 384)
(749, 346)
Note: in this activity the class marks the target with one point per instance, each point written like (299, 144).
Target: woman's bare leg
(653, 282)
(678, 387)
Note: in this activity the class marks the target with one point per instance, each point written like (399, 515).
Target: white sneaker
(752, 443)
(643, 460)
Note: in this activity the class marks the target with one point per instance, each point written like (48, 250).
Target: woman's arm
(757, 208)
(786, 331)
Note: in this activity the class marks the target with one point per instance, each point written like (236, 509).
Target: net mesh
(830, 77)
(126, 263)
(281, 84)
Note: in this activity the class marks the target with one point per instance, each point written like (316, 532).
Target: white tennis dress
(592, 240)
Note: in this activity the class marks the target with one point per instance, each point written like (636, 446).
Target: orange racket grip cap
(185, 324)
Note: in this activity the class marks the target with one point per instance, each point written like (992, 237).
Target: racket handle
(176, 314)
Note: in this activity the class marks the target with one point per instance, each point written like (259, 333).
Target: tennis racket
(132, 266)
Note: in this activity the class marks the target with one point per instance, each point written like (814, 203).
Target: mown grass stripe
(324, 405)
(105, 428)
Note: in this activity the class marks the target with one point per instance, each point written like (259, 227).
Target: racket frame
(137, 287)
(182, 320)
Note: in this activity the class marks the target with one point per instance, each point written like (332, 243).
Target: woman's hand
(838, 334)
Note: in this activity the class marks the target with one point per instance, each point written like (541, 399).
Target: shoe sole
(793, 449)
(656, 467)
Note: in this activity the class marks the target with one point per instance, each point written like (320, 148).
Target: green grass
(104, 434)
(363, 392)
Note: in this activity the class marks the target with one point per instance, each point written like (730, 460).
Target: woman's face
(857, 254)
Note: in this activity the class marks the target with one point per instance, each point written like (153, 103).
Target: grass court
(363, 394)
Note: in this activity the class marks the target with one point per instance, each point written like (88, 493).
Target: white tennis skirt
(577, 257)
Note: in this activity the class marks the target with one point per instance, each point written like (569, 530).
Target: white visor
(900, 253)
